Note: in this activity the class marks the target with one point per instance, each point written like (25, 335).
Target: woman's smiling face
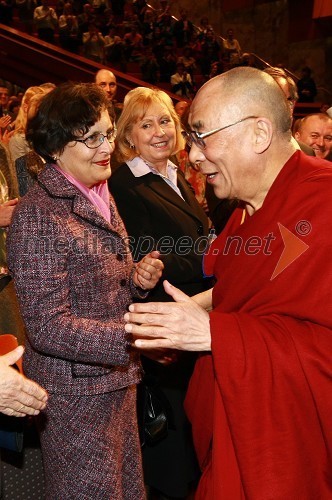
(154, 135)
(89, 166)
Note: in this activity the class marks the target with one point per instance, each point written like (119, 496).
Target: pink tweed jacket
(73, 276)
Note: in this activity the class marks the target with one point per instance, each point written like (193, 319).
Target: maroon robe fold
(263, 424)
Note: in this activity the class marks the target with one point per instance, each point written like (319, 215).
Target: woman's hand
(148, 271)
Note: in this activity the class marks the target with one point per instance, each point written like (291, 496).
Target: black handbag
(11, 433)
(155, 416)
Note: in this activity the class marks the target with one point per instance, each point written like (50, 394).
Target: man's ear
(263, 132)
(297, 136)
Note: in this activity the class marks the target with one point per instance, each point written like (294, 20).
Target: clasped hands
(183, 324)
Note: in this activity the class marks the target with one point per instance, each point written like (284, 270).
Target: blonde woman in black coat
(160, 211)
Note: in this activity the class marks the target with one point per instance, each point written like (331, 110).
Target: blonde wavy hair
(30, 93)
(135, 106)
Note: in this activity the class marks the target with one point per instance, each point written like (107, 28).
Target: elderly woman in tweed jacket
(75, 277)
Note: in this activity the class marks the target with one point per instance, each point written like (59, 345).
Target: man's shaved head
(250, 90)
(107, 81)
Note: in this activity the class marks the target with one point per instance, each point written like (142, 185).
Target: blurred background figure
(192, 174)
(29, 165)
(6, 117)
(18, 145)
(181, 82)
(306, 86)
(180, 107)
(114, 48)
(231, 50)
(94, 44)
(288, 86)
(25, 10)
(183, 29)
(46, 21)
(68, 29)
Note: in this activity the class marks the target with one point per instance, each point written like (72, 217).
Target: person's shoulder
(120, 175)
(312, 169)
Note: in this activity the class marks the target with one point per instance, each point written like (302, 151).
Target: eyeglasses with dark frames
(198, 139)
(96, 139)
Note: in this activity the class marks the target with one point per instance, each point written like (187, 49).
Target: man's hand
(6, 212)
(148, 271)
(182, 325)
(19, 396)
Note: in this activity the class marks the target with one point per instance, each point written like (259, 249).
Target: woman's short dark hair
(65, 113)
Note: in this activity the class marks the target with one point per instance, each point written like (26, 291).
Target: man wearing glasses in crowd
(260, 397)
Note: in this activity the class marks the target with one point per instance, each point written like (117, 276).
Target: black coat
(157, 217)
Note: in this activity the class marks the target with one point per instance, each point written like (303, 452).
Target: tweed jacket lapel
(58, 186)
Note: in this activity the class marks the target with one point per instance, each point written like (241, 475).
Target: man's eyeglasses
(95, 140)
(198, 139)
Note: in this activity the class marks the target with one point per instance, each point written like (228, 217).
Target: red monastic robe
(261, 403)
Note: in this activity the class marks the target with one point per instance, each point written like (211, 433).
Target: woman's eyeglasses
(95, 140)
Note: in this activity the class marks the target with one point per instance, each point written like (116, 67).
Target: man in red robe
(260, 399)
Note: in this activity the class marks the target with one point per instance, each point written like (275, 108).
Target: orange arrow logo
(294, 247)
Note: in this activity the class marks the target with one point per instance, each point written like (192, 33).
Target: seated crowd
(117, 33)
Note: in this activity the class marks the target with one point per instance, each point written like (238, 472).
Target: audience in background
(146, 35)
